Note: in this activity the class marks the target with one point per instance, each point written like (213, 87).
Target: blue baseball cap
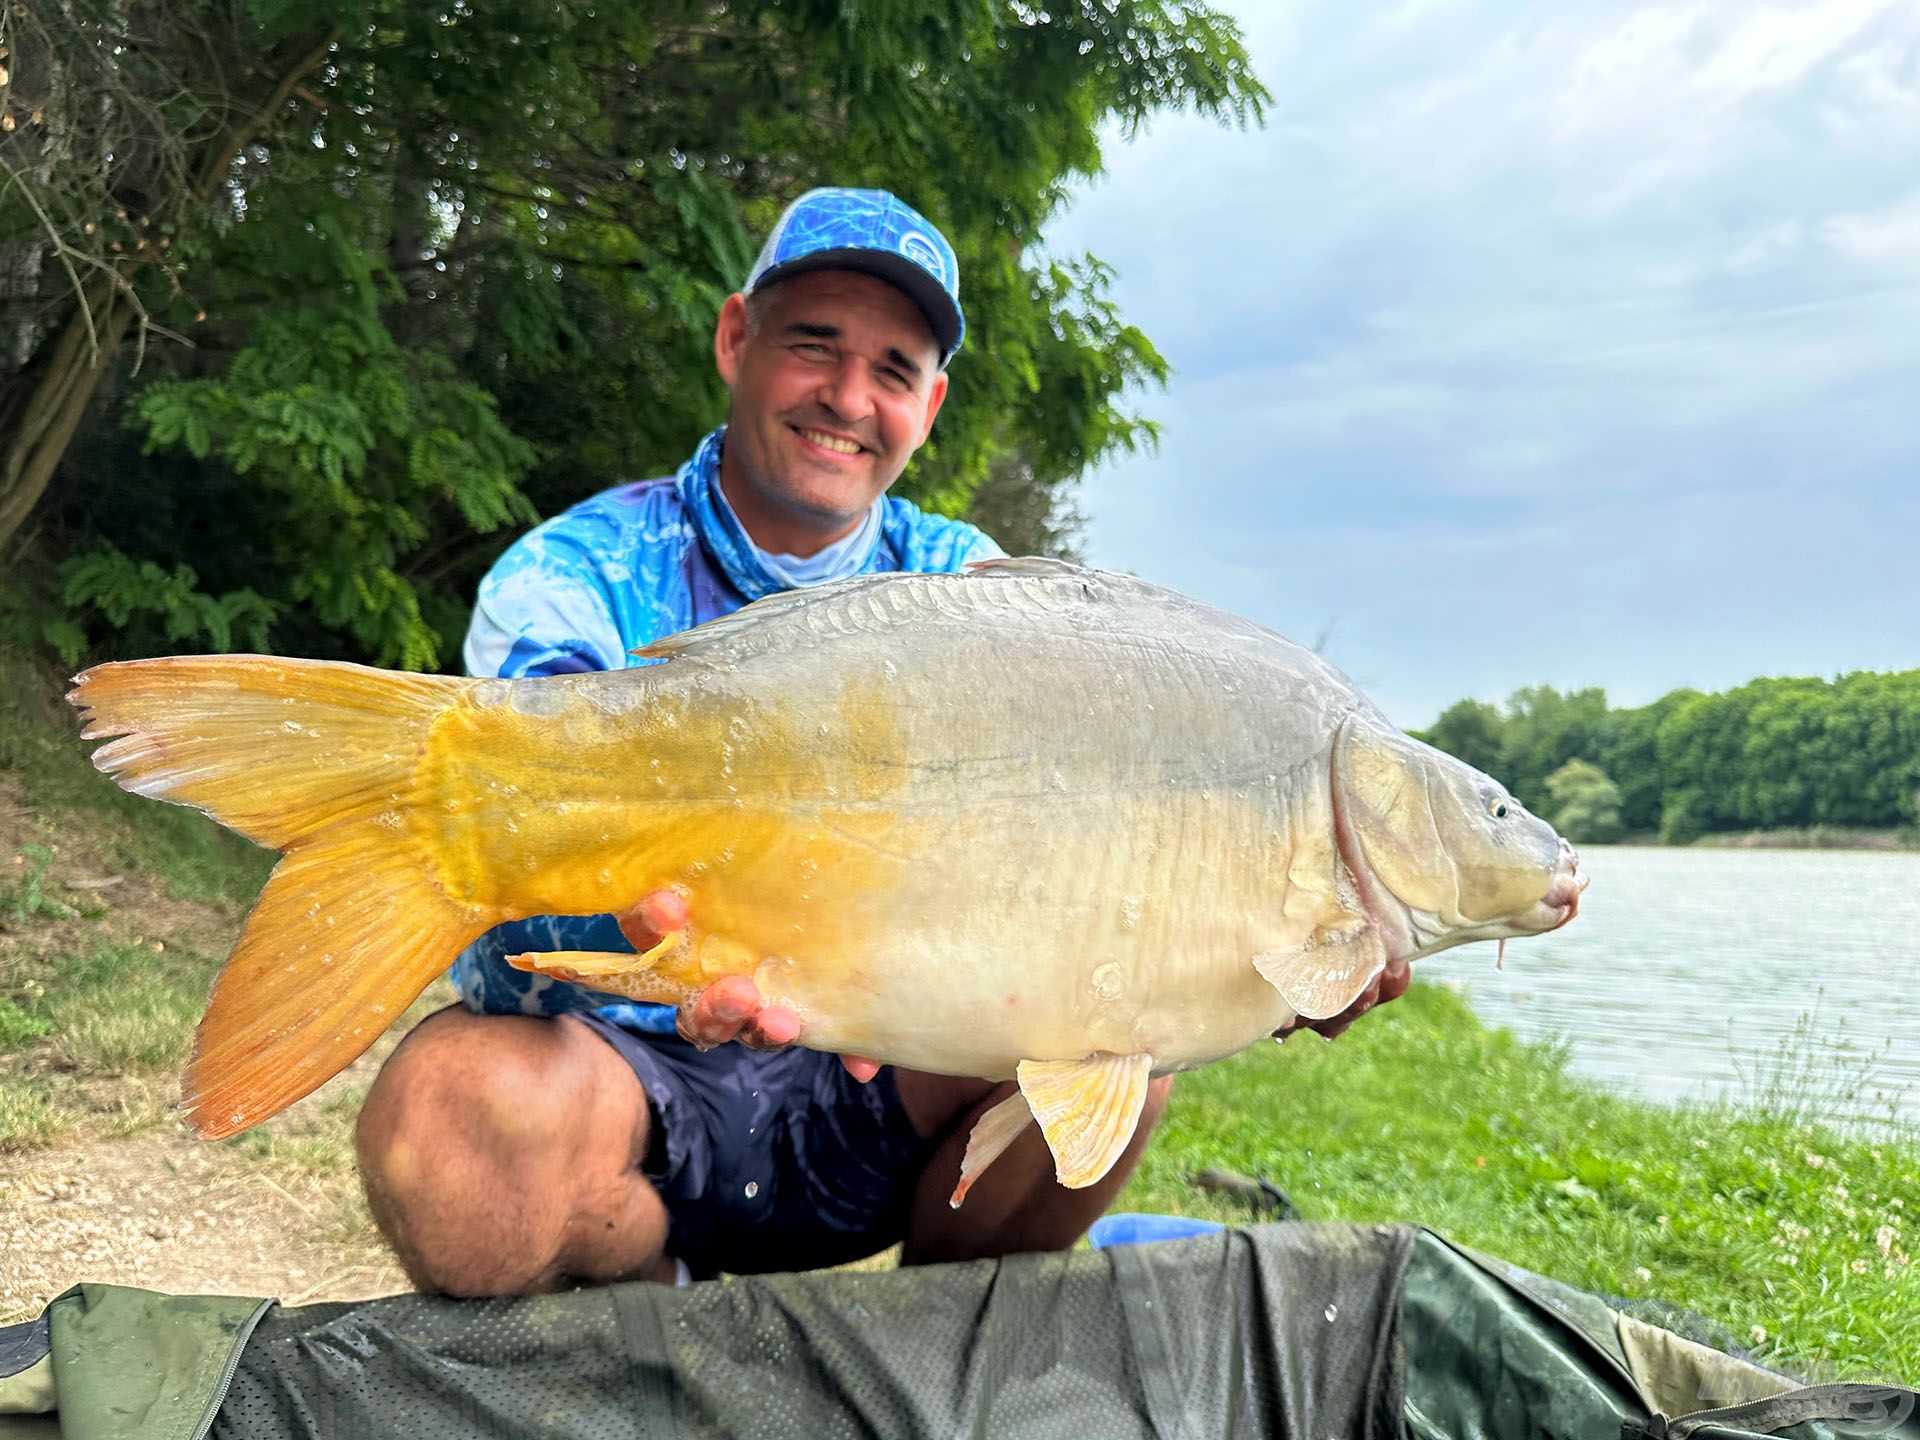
(878, 234)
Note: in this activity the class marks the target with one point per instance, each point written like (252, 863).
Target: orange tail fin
(318, 760)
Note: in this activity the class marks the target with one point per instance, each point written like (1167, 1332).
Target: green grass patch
(1797, 1237)
(127, 1006)
(25, 897)
(40, 745)
(316, 1140)
(28, 1116)
(18, 1026)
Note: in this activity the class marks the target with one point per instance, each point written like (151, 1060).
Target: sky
(1566, 344)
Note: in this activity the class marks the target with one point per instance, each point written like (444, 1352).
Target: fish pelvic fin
(658, 976)
(992, 1133)
(318, 760)
(1326, 975)
(1088, 1110)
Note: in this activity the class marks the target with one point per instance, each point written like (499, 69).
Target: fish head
(1440, 853)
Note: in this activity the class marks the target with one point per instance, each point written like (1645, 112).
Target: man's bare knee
(480, 1140)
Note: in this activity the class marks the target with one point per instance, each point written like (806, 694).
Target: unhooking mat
(1304, 1331)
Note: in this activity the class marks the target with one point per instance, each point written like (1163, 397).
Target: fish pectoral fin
(636, 977)
(992, 1133)
(1088, 1110)
(1324, 976)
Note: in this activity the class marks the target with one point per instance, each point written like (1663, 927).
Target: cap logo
(922, 251)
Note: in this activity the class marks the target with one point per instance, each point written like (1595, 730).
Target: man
(541, 1136)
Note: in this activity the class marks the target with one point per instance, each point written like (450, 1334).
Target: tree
(1773, 753)
(1543, 730)
(1026, 515)
(1472, 731)
(1629, 756)
(454, 266)
(120, 130)
(1586, 804)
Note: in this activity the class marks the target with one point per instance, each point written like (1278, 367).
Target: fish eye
(1497, 807)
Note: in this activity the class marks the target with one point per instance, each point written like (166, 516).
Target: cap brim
(943, 315)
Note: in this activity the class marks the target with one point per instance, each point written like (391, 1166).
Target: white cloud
(1569, 343)
(1891, 233)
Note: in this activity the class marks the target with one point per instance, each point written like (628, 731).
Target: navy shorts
(773, 1160)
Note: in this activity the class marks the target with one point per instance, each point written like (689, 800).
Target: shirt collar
(751, 570)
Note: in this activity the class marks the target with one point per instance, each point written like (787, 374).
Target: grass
(110, 906)
(316, 1142)
(1795, 1236)
(130, 1005)
(192, 858)
(28, 1116)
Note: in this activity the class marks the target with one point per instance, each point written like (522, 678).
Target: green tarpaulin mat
(1305, 1331)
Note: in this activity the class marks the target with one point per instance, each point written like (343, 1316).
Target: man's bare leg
(501, 1156)
(1015, 1206)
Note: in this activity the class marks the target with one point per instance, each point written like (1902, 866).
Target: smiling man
(540, 1135)
(537, 1135)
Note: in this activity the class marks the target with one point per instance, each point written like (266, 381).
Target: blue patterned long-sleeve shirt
(619, 571)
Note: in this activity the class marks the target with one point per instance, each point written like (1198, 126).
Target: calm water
(1691, 973)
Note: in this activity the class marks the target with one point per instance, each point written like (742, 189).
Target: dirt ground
(163, 1210)
(123, 1191)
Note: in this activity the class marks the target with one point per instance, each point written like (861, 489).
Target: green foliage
(155, 609)
(1790, 753)
(352, 448)
(477, 280)
(26, 897)
(1586, 804)
(1472, 731)
(1543, 730)
(17, 1026)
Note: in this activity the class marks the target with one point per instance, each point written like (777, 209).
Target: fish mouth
(1562, 900)
(1552, 910)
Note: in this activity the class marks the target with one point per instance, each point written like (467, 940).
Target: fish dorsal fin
(1088, 1110)
(1027, 565)
(750, 617)
(1324, 976)
(700, 641)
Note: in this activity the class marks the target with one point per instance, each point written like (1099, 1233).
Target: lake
(1691, 974)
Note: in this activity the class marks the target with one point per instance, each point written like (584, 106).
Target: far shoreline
(1817, 837)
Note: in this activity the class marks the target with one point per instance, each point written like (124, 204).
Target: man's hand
(729, 1009)
(1390, 984)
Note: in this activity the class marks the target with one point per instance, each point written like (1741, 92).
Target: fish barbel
(1033, 822)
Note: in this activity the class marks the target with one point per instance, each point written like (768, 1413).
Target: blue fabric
(770, 1160)
(1134, 1229)
(873, 231)
(615, 572)
(840, 560)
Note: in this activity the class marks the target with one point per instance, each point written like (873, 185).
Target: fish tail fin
(276, 749)
(347, 933)
(321, 761)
